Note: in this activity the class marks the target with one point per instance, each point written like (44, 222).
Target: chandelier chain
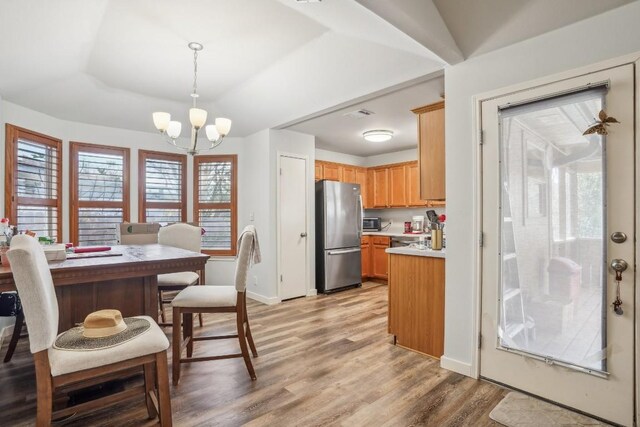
(195, 77)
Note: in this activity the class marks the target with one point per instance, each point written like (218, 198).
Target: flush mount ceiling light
(378, 135)
(198, 117)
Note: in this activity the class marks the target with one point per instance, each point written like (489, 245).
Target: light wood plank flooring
(324, 360)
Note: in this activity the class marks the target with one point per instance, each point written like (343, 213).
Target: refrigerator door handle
(343, 251)
(361, 215)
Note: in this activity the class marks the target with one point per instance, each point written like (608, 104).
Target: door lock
(303, 234)
(619, 265)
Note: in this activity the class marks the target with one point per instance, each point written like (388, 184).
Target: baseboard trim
(456, 366)
(263, 299)
(312, 293)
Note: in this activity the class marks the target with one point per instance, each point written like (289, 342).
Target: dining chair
(10, 306)
(66, 369)
(183, 236)
(215, 299)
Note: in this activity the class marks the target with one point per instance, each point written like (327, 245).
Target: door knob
(303, 234)
(619, 265)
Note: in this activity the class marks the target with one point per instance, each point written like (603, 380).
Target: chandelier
(198, 117)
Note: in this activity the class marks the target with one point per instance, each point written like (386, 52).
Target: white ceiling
(336, 132)
(266, 63)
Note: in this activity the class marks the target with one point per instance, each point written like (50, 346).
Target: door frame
(309, 225)
(634, 58)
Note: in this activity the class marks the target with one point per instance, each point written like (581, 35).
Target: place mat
(520, 410)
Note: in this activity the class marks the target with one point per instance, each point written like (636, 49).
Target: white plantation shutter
(215, 202)
(162, 195)
(100, 193)
(33, 182)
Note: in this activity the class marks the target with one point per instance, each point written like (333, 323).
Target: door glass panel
(552, 290)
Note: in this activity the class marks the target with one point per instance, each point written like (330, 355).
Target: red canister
(407, 226)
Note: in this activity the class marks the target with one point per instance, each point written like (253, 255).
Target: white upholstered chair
(61, 368)
(215, 299)
(183, 236)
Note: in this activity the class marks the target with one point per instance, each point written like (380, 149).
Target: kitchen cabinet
(398, 186)
(431, 150)
(318, 171)
(379, 258)
(365, 247)
(416, 303)
(331, 171)
(413, 185)
(380, 191)
(348, 174)
(361, 178)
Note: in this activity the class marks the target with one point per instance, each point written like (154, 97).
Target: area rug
(520, 410)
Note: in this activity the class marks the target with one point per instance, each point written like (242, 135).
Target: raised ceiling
(266, 63)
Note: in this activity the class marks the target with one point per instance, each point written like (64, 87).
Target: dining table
(123, 278)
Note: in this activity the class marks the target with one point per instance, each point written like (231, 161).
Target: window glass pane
(163, 216)
(163, 180)
(217, 226)
(97, 226)
(40, 219)
(36, 170)
(100, 176)
(552, 245)
(215, 182)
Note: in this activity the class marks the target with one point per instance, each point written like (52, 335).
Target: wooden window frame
(12, 135)
(143, 155)
(233, 158)
(75, 204)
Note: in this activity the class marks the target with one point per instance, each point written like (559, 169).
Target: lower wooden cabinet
(416, 303)
(374, 257)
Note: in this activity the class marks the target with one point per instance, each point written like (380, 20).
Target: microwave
(371, 224)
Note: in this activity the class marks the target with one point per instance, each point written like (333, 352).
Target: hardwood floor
(324, 360)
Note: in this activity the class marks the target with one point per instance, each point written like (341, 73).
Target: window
(99, 193)
(33, 183)
(162, 187)
(215, 202)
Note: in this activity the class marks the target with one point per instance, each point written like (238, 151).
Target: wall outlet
(251, 216)
(255, 280)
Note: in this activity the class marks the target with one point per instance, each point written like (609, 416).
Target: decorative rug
(520, 410)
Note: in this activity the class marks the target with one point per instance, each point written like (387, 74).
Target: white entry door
(292, 213)
(552, 198)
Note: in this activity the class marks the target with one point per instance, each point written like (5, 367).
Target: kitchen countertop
(391, 233)
(405, 250)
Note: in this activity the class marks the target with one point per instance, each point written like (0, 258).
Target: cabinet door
(349, 174)
(318, 171)
(366, 258)
(331, 172)
(380, 188)
(380, 267)
(413, 185)
(368, 195)
(397, 186)
(431, 152)
(361, 178)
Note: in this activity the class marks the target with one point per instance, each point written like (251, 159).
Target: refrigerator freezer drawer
(342, 267)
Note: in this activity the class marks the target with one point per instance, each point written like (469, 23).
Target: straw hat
(102, 329)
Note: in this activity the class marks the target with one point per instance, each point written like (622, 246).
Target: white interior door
(551, 200)
(292, 208)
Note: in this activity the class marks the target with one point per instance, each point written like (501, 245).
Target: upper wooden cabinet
(380, 183)
(388, 186)
(431, 148)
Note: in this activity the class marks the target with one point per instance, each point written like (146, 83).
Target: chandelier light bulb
(212, 133)
(197, 117)
(223, 126)
(173, 129)
(161, 120)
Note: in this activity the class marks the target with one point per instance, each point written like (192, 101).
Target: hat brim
(74, 340)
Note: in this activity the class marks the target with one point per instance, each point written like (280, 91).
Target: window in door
(33, 182)
(162, 185)
(552, 280)
(215, 187)
(99, 196)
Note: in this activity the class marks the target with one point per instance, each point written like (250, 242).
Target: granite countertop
(405, 250)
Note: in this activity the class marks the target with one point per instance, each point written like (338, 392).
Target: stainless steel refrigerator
(338, 231)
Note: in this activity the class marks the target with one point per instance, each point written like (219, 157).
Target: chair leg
(176, 339)
(149, 387)
(248, 332)
(44, 389)
(15, 336)
(243, 345)
(200, 319)
(187, 331)
(162, 381)
(161, 304)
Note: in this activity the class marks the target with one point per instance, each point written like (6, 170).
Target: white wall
(605, 36)
(332, 156)
(389, 158)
